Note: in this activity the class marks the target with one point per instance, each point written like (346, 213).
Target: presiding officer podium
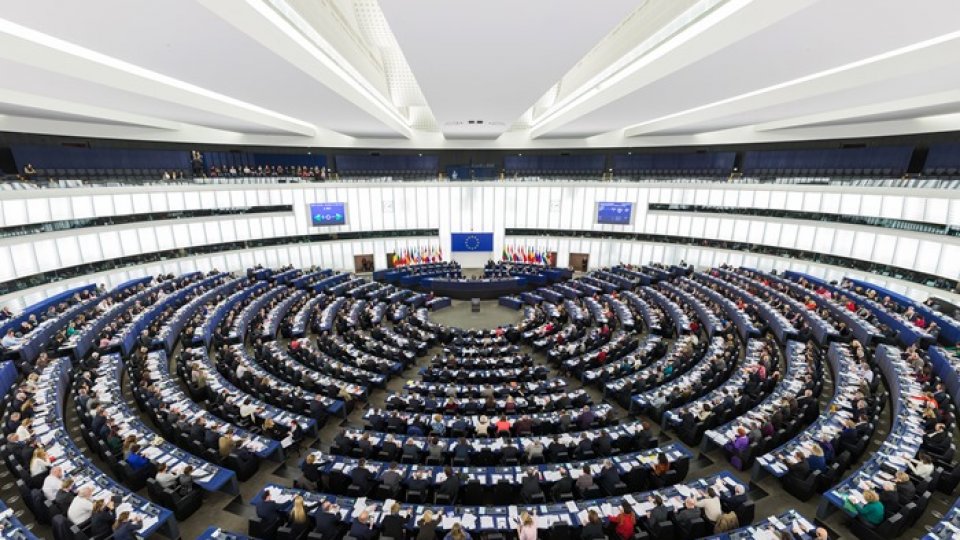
(475, 305)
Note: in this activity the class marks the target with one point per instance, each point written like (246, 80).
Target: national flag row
(525, 254)
(417, 255)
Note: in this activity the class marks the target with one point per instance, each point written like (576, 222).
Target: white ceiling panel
(184, 40)
(491, 60)
(822, 36)
(538, 73)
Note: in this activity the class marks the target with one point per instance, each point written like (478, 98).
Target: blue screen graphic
(614, 213)
(322, 214)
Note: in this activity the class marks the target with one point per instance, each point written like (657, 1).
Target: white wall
(476, 207)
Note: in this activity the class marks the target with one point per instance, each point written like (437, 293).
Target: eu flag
(481, 241)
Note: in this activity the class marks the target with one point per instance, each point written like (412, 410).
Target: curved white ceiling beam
(941, 51)
(863, 113)
(313, 55)
(19, 43)
(729, 23)
(72, 108)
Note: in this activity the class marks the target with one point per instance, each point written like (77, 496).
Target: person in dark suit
(65, 495)
(585, 419)
(659, 512)
(561, 486)
(938, 441)
(799, 469)
(328, 521)
(608, 477)
(211, 439)
(428, 525)
(530, 485)
(603, 444)
(890, 499)
(268, 510)
(584, 446)
(685, 517)
(362, 529)
(462, 450)
(391, 478)
(125, 528)
(593, 529)
(197, 430)
(390, 447)
(410, 452)
(554, 449)
(298, 520)
(361, 477)
(418, 482)
(393, 525)
(102, 518)
(906, 490)
(99, 421)
(510, 452)
(734, 501)
(450, 485)
(317, 409)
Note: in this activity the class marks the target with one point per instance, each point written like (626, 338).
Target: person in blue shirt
(827, 446)
(437, 427)
(816, 460)
(135, 460)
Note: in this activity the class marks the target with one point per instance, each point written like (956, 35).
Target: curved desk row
(465, 289)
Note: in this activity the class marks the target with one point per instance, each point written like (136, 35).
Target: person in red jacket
(625, 522)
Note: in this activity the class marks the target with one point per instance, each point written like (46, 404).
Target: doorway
(363, 263)
(580, 262)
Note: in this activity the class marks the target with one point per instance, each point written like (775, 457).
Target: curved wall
(473, 207)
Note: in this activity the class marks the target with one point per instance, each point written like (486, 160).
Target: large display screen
(614, 213)
(322, 214)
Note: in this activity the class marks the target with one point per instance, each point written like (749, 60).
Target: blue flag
(471, 241)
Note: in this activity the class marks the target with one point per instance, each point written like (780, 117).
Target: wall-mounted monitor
(614, 213)
(323, 214)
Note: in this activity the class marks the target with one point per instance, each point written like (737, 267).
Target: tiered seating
(754, 377)
(712, 366)
(632, 472)
(779, 292)
(217, 388)
(483, 430)
(830, 298)
(790, 406)
(558, 518)
(36, 326)
(906, 438)
(936, 323)
(564, 166)
(159, 392)
(282, 364)
(840, 435)
(482, 450)
(122, 427)
(48, 392)
(393, 166)
(674, 164)
(879, 162)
